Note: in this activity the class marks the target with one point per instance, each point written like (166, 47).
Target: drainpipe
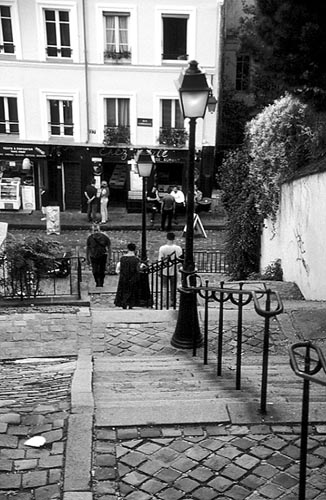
(220, 71)
(86, 71)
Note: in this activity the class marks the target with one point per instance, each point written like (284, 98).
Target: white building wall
(299, 236)
(146, 79)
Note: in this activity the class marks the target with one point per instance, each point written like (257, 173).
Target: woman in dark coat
(128, 286)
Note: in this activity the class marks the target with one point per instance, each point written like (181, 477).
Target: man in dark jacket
(168, 207)
(98, 249)
(91, 197)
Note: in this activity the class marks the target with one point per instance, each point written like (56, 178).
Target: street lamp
(194, 93)
(145, 161)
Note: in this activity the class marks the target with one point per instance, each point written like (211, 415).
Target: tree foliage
(278, 142)
(292, 37)
(242, 246)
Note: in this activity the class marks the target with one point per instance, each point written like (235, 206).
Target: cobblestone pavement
(76, 239)
(255, 462)
(205, 463)
(34, 400)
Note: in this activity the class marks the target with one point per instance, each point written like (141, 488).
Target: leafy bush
(243, 242)
(273, 272)
(278, 142)
(24, 262)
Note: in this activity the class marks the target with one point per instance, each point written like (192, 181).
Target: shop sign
(144, 122)
(21, 151)
(162, 155)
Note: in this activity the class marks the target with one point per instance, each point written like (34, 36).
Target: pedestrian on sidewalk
(91, 197)
(168, 208)
(128, 286)
(44, 201)
(98, 249)
(104, 201)
(169, 276)
(154, 203)
(180, 202)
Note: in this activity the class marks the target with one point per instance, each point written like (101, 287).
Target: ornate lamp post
(145, 163)
(194, 94)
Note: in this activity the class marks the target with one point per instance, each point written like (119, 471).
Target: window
(172, 131)
(8, 115)
(57, 33)
(117, 112)
(116, 36)
(117, 128)
(171, 115)
(61, 117)
(175, 37)
(242, 73)
(6, 36)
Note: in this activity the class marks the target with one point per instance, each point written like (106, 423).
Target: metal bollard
(267, 313)
(307, 373)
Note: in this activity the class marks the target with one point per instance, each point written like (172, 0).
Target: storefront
(19, 180)
(64, 171)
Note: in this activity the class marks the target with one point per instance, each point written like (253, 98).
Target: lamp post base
(187, 331)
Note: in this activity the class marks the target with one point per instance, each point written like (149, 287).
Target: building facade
(86, 83)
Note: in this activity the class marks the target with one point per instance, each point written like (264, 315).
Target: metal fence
(206, 261)
(63, 278)
(210, 261)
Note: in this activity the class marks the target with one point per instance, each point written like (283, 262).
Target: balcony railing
(176, 137)
(9, 127)
(174, 56)
(117, 56)
(61, 129)
(116, 135)
(54, 51)
(7, 48)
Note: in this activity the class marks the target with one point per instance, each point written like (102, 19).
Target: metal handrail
(239, 297)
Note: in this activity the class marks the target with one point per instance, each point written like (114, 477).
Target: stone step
(175, 390)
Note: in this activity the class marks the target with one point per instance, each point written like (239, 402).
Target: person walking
(104, 201)
(91, 197)
(169, 277)
(98, 249)
(168, 208)
(128, 268)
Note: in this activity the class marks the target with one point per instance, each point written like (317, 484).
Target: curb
(78, 465)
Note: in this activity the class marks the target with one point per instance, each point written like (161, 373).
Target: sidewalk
(217, 446)
(119, 219)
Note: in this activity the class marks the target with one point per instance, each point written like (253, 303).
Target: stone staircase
(157, 390)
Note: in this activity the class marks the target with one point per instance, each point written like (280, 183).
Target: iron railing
(306, 360)
(163, 282)
(206, 261)
(211, 261)
(62, 279)
(238, 295)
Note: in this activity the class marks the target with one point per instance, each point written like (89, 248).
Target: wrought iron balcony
(116, 135)
(176, 137)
